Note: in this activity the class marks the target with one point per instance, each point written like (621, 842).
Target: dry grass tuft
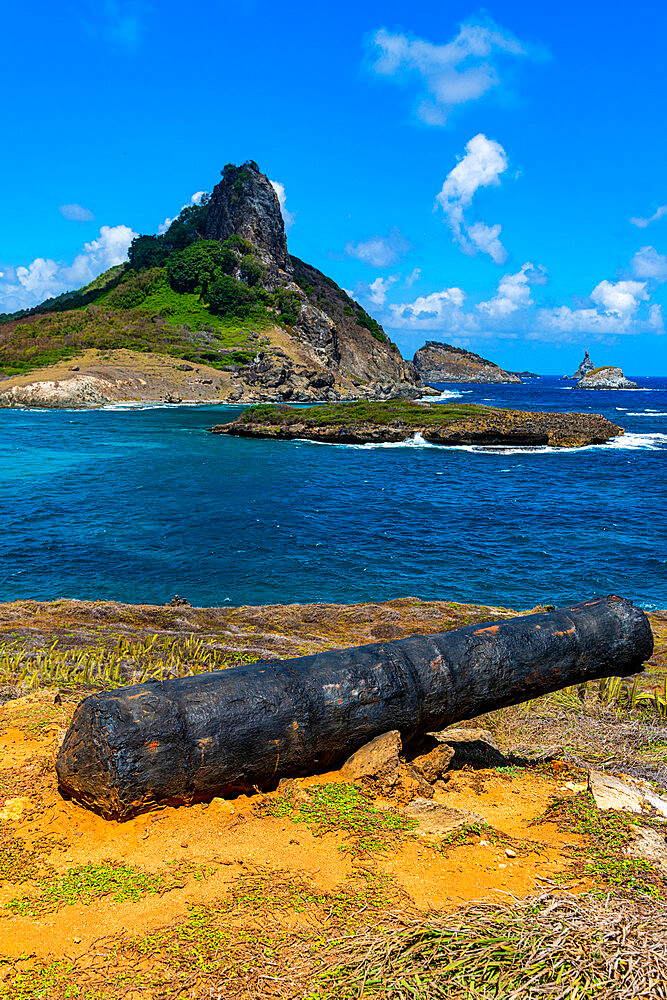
(555, 947)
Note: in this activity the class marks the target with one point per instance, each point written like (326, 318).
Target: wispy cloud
(24, 286)
(643, 223)
(76, 213)
(379, 251)
(288, 217)
(481, 166)
(649, 264)
(475, 62)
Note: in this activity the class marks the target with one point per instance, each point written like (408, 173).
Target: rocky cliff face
(437, 362)
(244, 203)
(344, 338)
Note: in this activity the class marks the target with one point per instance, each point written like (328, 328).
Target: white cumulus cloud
(27, 285)
(643, 223)
(377, 290)
(619, 297)
(451, 74)
(76, 213)
(513, 292)
(648, 263)
(288, 217)
(481, 166)
(379, 251)
(437, 311)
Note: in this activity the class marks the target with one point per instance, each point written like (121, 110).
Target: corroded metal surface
(244, 728)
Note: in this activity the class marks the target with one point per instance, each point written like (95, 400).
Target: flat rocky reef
(396, 420)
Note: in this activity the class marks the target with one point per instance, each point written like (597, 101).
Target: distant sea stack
(437, 362)
(584, 368)
(606, 378)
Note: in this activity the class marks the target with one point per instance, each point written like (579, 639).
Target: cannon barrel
(183, 740)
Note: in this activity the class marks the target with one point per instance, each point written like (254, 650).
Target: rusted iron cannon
(184, 740)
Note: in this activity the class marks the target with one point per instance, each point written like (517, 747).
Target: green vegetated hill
(180, 294)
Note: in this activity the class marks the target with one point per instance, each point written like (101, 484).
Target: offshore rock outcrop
(584, 368)
(438, 362)
(606, 378)
(397, 421)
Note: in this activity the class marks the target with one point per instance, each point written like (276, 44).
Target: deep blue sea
(139, 503)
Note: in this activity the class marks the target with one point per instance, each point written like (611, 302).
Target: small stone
(510, 853)
(434, 764)
(484, 843)
(377, 759)
(502, 866)
(475, 747)
(184, 843)
(77, 940)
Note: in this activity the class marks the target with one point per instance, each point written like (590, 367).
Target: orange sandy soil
(233, 839)
(229, 857)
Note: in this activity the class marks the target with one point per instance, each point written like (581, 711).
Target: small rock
(184, 843)
(649, 845)
(14, 808)
(484, 843)
(475, 747)
(377, 760)
(434, 764)
(434, 820)
(77, 940)
(625, 793)
(510, 853)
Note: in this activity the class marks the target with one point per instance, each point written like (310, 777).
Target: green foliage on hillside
(388, 412)
(142, 313)
(179, 294)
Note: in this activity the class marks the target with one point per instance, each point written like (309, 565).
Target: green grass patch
(343, 808)
(86, 883)
(603, 859)
(392, 412)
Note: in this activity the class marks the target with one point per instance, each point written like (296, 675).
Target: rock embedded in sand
(620, 791)
(436, 820)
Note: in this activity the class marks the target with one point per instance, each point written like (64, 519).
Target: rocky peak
(245, 203)
(585, 367)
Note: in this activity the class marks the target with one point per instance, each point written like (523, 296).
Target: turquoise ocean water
(138, 503)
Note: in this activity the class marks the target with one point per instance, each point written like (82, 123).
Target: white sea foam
(647, 413)
(445, 394)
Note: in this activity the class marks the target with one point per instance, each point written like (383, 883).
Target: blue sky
(470, 174)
